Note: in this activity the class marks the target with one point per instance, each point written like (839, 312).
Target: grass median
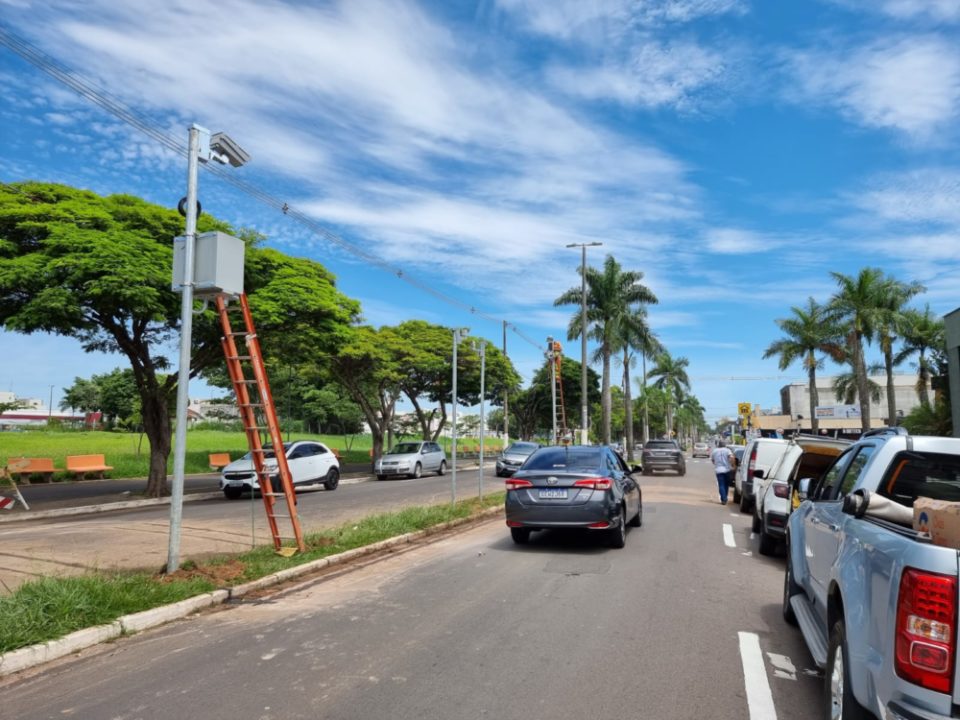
(50, 608)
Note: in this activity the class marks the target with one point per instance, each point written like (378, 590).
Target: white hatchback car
(309, 462)
(411, 459)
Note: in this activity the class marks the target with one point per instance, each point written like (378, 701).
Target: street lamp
(583, 337)
(202, 148)
(458, 335)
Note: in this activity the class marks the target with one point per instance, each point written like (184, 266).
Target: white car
(309, 462)
(805, 456)
(700, 449)
(411, 459)
(761, 454)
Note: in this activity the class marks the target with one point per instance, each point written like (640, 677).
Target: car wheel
(841, 704)
(275, 484)
(736, 495)
(416, 471)
(443, 468)
(521, 536)
(232, 493)
(637, 520)
(381, 477)
(618, 534)
(755, 525)
(768, 543)
(648, 473)
(682, 471)
(332, 480)
(790, 589)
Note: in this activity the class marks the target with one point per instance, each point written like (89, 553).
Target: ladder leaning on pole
(258, 415)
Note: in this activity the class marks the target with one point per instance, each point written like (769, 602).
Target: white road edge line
(728, 535)
(759, 697)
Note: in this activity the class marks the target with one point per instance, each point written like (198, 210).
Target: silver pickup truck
(877, 602)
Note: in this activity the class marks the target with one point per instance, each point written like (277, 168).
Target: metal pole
(453, 452)
(553, 388)
(506, 409)
(183, 373)
(50, 407)
(483, 436)
(646, 414)
(583, 346)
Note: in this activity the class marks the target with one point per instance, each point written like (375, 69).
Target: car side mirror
(758, 474)
(803, 488)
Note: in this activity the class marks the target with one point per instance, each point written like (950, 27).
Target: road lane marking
(728, 535)
(759, 697)
(782, 666)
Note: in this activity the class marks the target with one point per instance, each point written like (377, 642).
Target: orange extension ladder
(258, 414)
(557, 358)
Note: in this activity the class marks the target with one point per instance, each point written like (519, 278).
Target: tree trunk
(863, 386)
(646, 413)
(443, 421)
(814, 394)
(605, 396)
(156, 426)
(924, 379)
(627, 406)
(891, 397)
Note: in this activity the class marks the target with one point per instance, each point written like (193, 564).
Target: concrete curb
(34, 655)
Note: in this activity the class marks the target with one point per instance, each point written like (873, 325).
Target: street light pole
(483, 436)
(583, 337)
(50, 407)
(458, 334)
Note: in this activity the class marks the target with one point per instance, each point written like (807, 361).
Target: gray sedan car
(577, 486)
(510, 460)
(411, 459)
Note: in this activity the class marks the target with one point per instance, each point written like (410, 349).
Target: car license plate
(553, 494)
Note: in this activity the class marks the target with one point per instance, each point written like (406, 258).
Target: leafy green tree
(612, 294)
(118, 395)
(890, 323)
(807, 332)
(928, 419)
(83, 395)
(846, 388)
(98, 269)
(671, 377)
(327, 409)
(923, 333)
(531, 409)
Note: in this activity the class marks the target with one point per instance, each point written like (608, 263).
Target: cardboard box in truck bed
(939, 518)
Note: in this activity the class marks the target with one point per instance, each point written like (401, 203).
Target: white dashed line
(728, 535)
(759, 697)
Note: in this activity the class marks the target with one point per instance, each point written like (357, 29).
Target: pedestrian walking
(724, 463)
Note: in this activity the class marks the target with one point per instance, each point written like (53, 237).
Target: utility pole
(458, 333)
(50, 407)
(584, 407)
(553, 388)
(483, 436)
(506, 409)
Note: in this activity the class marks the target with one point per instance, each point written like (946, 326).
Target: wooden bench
(31, 466)
(83, 464)
(218, 461)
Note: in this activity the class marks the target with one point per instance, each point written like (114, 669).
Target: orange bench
(218, 461)
(336, 453)
(83, 464)
(29, 466)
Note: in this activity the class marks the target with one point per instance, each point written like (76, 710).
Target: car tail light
(753, 461)
(602, 525)
(781, 490)
(516, 483)
(599, 483)
(926, 626)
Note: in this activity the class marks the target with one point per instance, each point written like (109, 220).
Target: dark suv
(663, 455)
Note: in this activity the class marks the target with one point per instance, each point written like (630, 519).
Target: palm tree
(671, 377)
(858, 304)
(611, 295)
(846, 389)
(807, 333)
(634, 335)
(890, 324)
(922, 331)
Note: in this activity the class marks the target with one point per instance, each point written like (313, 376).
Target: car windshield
(405, 449)
(268, 452)
(521, 448)
(661, 445)
(565, 458)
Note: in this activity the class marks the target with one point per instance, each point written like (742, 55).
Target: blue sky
(736, 152)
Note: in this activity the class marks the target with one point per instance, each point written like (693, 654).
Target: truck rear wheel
(840, 702)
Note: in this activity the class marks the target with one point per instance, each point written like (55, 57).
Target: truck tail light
(926, 629)
(516, 484)
(753, 461)
(599, 483)
(781, 490)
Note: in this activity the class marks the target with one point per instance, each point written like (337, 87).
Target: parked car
(513, 456)
(700, 449)
(877, 603)
(761, 454)
(411, 459)
(663, 455)
(805, 456)
(309, 462)
(575, 486)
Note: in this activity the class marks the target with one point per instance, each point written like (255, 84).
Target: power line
(100, 97)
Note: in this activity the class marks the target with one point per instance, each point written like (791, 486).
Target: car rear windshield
(564, 458)
(661, 445)
(912, 475)
(522, 448)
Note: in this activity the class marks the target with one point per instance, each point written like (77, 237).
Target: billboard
(844, 412)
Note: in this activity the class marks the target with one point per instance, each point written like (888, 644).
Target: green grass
(121, 449)
(50, 608)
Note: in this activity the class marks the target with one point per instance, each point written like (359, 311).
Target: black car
(663, 455)
(575, 486)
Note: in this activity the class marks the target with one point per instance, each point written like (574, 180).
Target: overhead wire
(86, 89)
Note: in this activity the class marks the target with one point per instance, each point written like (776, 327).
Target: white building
(795, 398)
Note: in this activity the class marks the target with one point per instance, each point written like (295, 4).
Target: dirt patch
(220, 574)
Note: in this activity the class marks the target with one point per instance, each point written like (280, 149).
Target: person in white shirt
(724, 463)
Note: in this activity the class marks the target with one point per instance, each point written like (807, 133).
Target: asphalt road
(684, 623)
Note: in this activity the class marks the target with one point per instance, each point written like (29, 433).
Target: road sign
(743, 409)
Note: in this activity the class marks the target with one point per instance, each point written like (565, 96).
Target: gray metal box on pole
(217, 264)
(952, 324)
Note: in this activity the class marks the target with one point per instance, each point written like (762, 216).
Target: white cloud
(909, 84)
(938, 10)
(929, 195)
(734, 241)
